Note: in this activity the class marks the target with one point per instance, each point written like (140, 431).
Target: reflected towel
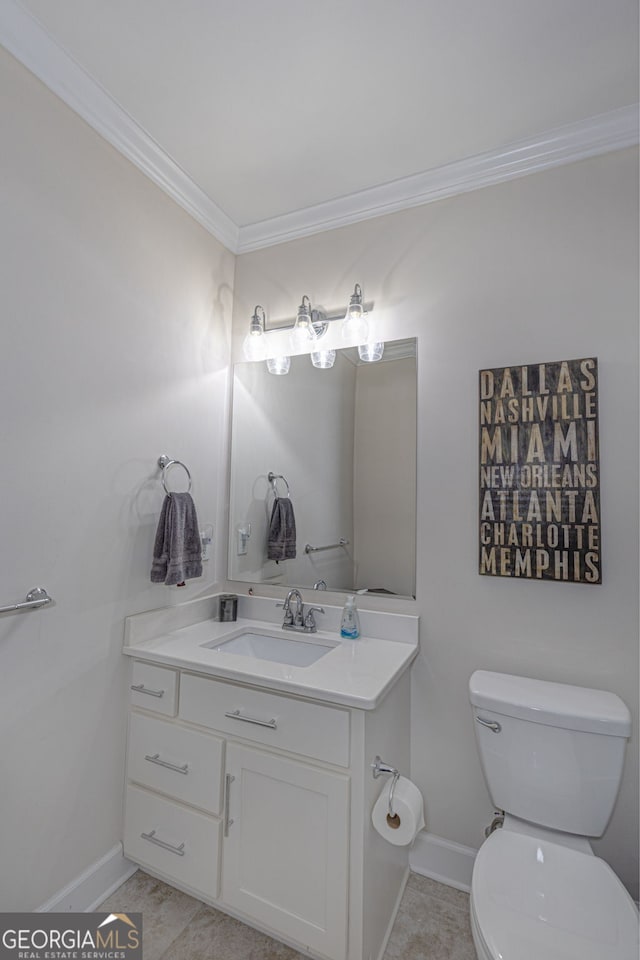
(177, 552)
(281, 544)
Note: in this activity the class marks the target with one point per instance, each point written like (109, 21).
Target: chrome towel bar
(38, 597)
(342, 542)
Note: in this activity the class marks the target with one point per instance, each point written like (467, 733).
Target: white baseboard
(94, 885)
(442, 860)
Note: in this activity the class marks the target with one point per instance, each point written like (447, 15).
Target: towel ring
(164, 463)
(272, 478)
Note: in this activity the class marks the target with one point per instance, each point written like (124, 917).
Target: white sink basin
(294, 651)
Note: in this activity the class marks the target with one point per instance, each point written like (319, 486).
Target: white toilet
(552, 756)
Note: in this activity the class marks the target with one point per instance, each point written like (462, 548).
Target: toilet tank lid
(556, 704)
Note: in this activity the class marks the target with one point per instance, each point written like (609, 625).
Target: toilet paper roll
(408, 809)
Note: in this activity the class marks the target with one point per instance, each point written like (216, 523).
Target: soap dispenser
(350, 623)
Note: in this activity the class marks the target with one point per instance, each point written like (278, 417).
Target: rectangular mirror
(342, 443)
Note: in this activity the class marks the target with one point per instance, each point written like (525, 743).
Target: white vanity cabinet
(259, 803)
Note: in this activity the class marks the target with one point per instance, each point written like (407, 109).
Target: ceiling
(279, 113)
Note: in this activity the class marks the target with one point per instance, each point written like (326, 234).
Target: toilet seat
(533, 899)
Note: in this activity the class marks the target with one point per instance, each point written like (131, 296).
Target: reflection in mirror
(342, 444)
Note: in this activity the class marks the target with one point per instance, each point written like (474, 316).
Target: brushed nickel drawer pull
(491, 724)
(165, 763)
(151, 837)
(140, 688)
(236, 715)
(228, 780)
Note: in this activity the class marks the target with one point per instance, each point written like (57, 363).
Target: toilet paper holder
(379, 767)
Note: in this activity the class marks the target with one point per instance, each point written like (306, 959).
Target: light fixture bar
(317, 316)
(309, 326)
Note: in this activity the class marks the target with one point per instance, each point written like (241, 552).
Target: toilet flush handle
(493, 726)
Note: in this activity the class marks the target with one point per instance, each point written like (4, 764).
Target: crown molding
(29, 42)
(567, 144)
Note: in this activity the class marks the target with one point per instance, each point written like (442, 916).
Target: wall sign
(539, 472)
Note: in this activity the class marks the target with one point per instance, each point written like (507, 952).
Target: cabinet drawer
(154, 688)
(183, 763)
(173, 840)
(310, 729)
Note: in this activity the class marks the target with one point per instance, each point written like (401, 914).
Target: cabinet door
(287, 847)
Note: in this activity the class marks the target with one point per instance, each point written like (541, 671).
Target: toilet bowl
(552, 756)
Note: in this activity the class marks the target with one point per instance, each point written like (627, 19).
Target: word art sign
(539, 472)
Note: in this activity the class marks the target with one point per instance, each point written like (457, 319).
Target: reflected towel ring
(272, 478)
(164, 463)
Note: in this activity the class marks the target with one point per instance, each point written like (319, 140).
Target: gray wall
(116, 312)
(539, 269)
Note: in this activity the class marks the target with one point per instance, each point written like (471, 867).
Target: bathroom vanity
(249, 780)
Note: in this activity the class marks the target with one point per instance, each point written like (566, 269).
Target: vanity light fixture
(354, 324)
(371, 352)
(254, 345)
(309, 326)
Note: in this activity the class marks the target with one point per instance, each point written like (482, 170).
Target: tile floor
(432, 924)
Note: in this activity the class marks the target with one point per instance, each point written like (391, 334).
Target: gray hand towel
(281, 544)
(177, 552)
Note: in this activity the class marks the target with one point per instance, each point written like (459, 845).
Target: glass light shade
(278, 366)
(355, 325)
(303, 330)
(254, 345)
(323, 359)
(370, 352)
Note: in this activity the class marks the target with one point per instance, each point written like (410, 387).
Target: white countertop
(355, 673)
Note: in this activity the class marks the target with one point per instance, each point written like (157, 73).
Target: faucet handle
(309, 620)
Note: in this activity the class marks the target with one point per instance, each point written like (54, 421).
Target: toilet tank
(551, 753)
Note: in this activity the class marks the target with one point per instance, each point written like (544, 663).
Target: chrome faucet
(298, 621)
(292, 622)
